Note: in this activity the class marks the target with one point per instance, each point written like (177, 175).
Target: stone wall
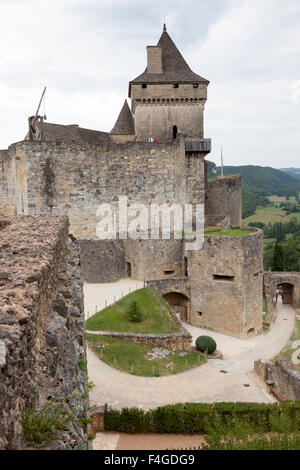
(226, 284)
(285, 377)
(154, 259)
(223, 205)
(102, 260)
(41, 325)
(174, 341)
(73, 179)
(159, 107)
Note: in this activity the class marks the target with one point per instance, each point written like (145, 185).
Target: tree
(278, 263)
(133, 311)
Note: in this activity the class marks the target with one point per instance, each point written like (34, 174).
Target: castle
(68, 170)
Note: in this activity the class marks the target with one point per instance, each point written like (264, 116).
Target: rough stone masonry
(41, 326)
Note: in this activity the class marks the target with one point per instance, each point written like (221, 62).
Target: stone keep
(69, 170)
(168, 98)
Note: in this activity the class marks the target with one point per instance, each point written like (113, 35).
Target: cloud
(86, 53)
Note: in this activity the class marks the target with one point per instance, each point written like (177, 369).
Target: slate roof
(71, 133)
(175, 68)
(125, 122)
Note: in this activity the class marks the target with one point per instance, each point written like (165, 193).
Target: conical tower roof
(175, 68)
(125, 122)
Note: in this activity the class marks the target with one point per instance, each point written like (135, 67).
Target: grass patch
(286, 353)
(130, 357)
(42, 425)
(228, 232)
(151, 304)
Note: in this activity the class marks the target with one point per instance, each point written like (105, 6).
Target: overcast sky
(86, 51)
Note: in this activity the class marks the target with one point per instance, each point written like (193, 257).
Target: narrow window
(185, 266)
(128, 269)
(176, 85)
(199, 314)
(174, 132)
(218, 277)
(196, 85)
(168, 272)
(144, 85)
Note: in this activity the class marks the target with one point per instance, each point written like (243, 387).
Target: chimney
(154, 59)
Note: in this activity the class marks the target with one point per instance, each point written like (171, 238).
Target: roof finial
(165, 27)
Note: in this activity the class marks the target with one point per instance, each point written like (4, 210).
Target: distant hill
(295, 172)
(262, 181)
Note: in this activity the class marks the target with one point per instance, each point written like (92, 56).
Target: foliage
(131, 357)
(278, 259)
(82, 365)
(246, 436)
(206, 344)
(133, 311)
(82, 446)
(83, 422)
(154, 310)
(214, 419)
(41, 425)
(250, 202)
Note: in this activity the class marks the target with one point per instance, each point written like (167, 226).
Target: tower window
(195, 85)
(174, 132)
(218, 277)
(144, 85)
(176, 85)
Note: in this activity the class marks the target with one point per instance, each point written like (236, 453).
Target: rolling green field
(130, 357)
(267, 215)
(270, 215)
(151, 304)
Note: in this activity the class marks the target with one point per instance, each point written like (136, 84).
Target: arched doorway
(179, 304)
(286, 291)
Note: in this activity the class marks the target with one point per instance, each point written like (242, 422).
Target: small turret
(123, 130)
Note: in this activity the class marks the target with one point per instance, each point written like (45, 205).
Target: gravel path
(204, 384)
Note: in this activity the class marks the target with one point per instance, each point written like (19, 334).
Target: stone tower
(168, 98)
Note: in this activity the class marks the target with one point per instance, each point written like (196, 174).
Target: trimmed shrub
(206, 418)
(133, 311)
(206, 343)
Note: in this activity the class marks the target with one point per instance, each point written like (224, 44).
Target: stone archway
(290, 282)
(287, 293)
(179, 303)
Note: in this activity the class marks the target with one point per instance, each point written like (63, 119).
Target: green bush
(42, 425)
(206, 344)
(133, 312)
(199, 418)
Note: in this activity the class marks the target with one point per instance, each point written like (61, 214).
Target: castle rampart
(41, 326)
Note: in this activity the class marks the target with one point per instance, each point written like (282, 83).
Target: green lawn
(151, 304)
(286, 353)
(229, 232)
(130, 357)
